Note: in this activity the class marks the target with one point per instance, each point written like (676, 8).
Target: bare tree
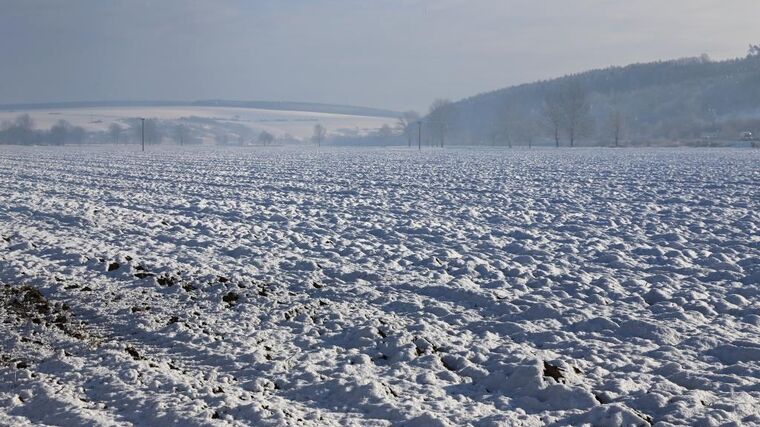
(24, 121)
(568, 107)
(552, 110)
(502, 125)
(265, 138)
(524, 128)
(152, 133)
(576, 109)
(320, 132)
(385, 131)
(754, 50)
(59, 133)
(115, 130)
(616, 124)
(439, 119)
(77, 134)
(516, 124)
(407, 125)
(22, 130)
(221, 137)
(181, 134)
(134, 130)
(493, 134)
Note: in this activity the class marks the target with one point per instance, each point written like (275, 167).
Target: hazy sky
(395, 54)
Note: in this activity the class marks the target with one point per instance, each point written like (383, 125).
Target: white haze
(392, 54)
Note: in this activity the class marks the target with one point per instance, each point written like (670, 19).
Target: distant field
(296, 123)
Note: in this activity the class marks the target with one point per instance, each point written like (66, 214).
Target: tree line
(22, 131)
(187, 131)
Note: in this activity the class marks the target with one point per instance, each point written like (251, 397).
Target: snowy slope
(375, 288)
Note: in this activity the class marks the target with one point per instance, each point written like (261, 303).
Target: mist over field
(401, 213)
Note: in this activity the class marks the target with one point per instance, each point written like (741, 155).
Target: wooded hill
(692, 100)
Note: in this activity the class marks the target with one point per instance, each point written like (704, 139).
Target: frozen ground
(370, 288)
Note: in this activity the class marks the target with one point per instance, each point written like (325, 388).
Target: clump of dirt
(134, 353)
(167, 280)
(26, 303)
(231, 298)
(142, 273)
(554, 372)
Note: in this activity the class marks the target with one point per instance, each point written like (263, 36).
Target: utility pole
(419, 135)
(143, 133)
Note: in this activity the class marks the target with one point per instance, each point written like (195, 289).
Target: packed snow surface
(374, 288)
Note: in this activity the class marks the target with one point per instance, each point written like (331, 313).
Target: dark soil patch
(554, 372)
(26, 303)
(231, 298)
(134, 353)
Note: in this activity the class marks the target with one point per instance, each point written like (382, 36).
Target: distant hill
(266, 105)
(302, 106)
(684, 99)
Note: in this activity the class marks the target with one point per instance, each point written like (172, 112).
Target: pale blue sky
(395, 54)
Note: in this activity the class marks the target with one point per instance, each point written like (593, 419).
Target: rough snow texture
(371, 288)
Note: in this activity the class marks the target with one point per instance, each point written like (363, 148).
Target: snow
(373, 288)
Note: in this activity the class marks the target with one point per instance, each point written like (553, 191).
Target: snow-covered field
(374, 288)
(299, 124)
